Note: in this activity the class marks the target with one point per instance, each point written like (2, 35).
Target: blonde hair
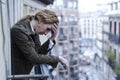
(24, 18)
(47, 16)
(44, 15)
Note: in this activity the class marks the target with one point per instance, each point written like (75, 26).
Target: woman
(26, 49)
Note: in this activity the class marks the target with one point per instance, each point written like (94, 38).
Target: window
(110, 26)
(74, 4)
(116, 6)
(70, 4)
(119, 28)
(115, 28)
(111, 6)
(119, 5)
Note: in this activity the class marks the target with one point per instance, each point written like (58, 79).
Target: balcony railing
(73, 37)
(62, 37)
(40, 76)
(44, 74)
(113, 38)
(73, 22)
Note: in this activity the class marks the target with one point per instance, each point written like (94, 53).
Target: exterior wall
(15, 11)
(4, 39)
(99, 36)
(105, 36)
(115, 19)
(88, 26)
(111, 38)
(91, 31)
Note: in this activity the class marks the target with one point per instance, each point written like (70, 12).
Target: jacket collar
(28, 27)
(25, 26)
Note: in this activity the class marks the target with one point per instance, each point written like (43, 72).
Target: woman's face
(43, 28)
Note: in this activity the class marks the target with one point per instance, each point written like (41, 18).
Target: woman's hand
(54, 31)
(64, 62)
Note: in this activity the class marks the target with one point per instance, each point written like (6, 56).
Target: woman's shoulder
(18, 28)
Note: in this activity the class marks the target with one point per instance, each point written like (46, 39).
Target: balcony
(62, 37)
(114, 38)
(73, 23)
(73, 37)
(73, 62)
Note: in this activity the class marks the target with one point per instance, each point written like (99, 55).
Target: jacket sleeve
(22, 41)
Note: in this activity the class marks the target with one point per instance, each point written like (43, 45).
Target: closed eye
(49, 29)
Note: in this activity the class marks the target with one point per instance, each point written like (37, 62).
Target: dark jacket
(26, 49)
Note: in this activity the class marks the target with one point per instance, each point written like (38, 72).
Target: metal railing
(113, 38)
(25, 76)
(43, 75)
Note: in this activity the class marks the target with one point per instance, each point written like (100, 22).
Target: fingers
(66, 66)
(55, 25)
(54, 31)
(54, 28)
(64, 62)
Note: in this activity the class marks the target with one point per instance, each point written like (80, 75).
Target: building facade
(111, 34)
(91, 30)
(68, 38)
